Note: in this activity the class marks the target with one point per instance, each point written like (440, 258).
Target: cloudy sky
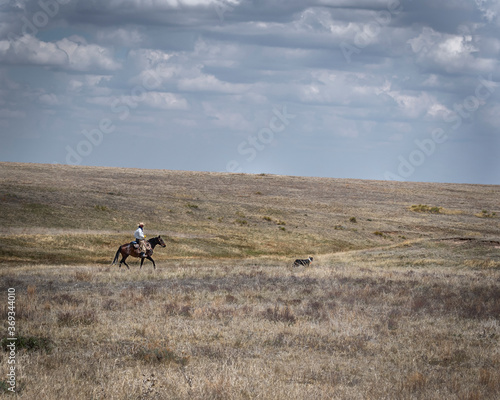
(371, 89)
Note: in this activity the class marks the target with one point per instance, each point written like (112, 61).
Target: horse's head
(157, 241)
(160, 241)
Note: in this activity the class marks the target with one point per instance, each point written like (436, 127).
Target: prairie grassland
(354, 326)
(400, 303)
(76, 215)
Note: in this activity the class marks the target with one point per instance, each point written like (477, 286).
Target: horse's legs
(123, 261)
(153, 261)
(142, 262)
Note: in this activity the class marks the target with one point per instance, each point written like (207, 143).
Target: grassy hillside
(64, 214)
(402, 301)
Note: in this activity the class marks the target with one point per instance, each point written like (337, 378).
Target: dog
(305, 263)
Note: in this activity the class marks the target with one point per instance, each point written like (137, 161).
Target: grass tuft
(157, 352)
(77, 317)
(30, 343)
(280, 314)
(423, 208)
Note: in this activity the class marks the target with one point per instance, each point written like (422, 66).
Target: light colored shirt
(139, 234)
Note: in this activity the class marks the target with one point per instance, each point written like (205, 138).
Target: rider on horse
(140, 239)
(130, 249)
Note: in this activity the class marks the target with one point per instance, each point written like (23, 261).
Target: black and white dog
(305, 263)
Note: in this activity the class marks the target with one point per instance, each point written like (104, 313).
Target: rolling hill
(402, 300)
(66, 214)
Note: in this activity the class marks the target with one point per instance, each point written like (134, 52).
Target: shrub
(426, 208)
(4, 386)
(353, 220)
(30, 343)
(278, 314)
(231, 299)
(486, 214)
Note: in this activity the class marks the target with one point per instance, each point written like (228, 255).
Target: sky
(370, 89)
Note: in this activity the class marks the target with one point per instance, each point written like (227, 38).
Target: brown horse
(128, 249)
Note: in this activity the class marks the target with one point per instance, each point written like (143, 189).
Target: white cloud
(177, 63)
(416, 106)
(151, 99)
(490, 9)
(450, 53)
(319, 20)
(165, 101)
(69, 53)
(85, 57)
(75, 85)
(183, 70)
(148, 58)
(89, 84)
(218, 54)
(438, 111)
(227, 118)
(29, 50)
(342, 88)
(155, 65)
(49, 99)
(167, 4)
(209, 83)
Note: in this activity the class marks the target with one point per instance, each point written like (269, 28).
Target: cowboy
(140, 239)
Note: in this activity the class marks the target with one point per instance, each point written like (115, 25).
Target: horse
(128, 249)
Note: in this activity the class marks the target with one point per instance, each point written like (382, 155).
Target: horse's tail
(116, 255)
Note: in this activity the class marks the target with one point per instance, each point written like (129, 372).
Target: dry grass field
(402, 300)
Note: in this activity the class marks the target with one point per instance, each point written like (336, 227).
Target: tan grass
(239, 330)
(411, 314)
(77, 215)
